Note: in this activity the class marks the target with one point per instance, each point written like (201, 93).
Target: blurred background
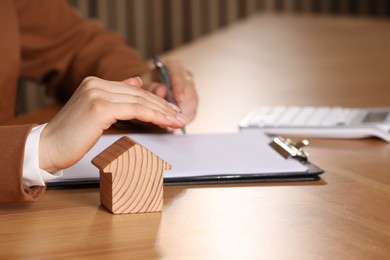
(157, 26)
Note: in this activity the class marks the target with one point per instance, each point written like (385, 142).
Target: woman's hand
(93, 108)
(183, 87)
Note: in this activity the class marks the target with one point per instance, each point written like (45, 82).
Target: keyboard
(321, 121)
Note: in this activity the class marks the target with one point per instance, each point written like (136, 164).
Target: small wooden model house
(131, 178)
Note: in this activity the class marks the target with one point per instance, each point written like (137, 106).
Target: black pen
(164, 75)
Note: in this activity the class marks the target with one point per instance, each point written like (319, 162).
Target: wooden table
(265, 60)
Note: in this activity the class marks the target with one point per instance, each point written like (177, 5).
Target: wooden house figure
(131, 178)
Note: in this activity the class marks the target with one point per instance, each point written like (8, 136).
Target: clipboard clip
(290, 149)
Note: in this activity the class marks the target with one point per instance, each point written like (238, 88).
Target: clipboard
(208, 159)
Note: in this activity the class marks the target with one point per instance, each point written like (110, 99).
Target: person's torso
(9, 58)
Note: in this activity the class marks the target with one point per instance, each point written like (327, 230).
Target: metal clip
(290, 149)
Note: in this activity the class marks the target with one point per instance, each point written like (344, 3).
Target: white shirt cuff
(33, 175)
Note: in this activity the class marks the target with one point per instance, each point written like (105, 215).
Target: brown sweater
(47, 41)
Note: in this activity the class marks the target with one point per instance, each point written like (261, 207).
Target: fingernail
(175, 107)
(182, 118)
(140, 80)
(171, 118)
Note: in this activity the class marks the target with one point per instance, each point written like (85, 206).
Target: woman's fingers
(124, 111)
(124, 91)
(183, 87)
(94, 107)
(137, 81)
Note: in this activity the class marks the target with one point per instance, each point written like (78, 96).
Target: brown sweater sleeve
(13, 139)
(60, 48)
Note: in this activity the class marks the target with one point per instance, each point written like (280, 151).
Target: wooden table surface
(265, 60)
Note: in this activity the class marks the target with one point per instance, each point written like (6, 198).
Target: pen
(163, 72)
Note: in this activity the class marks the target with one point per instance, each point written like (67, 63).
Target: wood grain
(131, 178)
(265, 60)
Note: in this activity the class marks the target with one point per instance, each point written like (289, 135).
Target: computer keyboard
(321, 121)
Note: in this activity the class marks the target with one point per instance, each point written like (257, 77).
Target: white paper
(199, 155)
